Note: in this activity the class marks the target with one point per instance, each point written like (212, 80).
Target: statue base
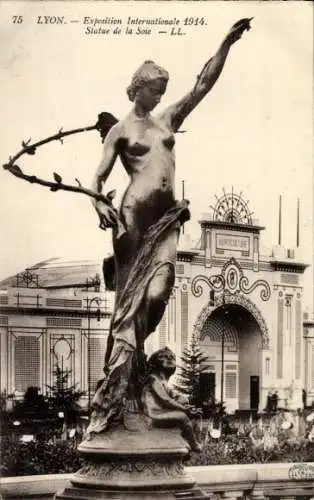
(138, 465)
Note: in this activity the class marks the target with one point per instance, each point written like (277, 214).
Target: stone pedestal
(138, 465)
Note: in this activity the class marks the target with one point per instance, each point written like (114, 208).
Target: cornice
(232, 226)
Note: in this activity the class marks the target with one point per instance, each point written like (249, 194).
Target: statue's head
(148, 84)
(162, 361)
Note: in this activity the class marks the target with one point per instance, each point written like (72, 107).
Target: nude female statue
(145, 255)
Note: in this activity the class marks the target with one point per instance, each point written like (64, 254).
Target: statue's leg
(157, 295)
(116, 269)
(180, 419)
(146, 321)
(161, 284)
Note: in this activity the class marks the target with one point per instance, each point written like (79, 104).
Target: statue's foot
(87, 436)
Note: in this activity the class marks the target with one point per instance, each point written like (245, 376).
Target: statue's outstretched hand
(237, 30)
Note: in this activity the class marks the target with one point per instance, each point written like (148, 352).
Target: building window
(231, 385)
(180, 269)
(97, 356)
(54, 302)
(298, 338)
(62, 348)
(162, 330)
(3, 320)
(288, 304)
(62, 352)
(64, 322)
(184, 318)
(26, 362)
(280, 337)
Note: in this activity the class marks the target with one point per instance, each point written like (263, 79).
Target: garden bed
(40, 457)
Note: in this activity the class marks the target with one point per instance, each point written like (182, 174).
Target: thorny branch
(103, 125)
(31, 148)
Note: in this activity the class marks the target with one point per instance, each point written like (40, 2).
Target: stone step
(77, 493)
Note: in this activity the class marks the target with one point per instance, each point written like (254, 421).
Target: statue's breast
(142, 138)
(126, 146)
(169, 142)
(137, 149)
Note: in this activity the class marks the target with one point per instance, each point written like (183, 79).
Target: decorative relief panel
(232, 280)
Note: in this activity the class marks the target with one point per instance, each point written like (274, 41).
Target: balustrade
(222, 482)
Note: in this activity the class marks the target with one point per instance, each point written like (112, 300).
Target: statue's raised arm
(175, 114)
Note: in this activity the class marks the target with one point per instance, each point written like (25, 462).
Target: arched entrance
(232, 338)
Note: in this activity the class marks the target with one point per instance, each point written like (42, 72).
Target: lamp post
(89, 303)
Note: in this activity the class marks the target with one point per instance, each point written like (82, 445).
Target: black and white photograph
(156, 265)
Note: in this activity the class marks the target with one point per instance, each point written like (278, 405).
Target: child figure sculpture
(163, 405)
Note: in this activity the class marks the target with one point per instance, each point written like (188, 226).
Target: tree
(193, 363)
(33, 406)
(64, 397)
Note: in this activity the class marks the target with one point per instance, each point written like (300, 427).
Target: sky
(253, 132)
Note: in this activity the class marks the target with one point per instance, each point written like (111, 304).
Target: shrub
(37, 457)
(235, 450)
(41, 457)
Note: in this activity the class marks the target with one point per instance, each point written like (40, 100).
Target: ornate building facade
(55, 313)
(245, 307)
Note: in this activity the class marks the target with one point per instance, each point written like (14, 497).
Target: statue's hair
(154, 362)
(147, 72)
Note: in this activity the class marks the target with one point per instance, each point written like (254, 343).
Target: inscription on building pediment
(231, 242)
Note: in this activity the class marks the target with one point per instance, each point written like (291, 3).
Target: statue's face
(168, 362)
(149, 95)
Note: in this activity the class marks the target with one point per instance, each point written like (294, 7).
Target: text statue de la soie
(130, 25)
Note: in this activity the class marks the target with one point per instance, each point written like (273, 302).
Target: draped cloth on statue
(129, 327)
